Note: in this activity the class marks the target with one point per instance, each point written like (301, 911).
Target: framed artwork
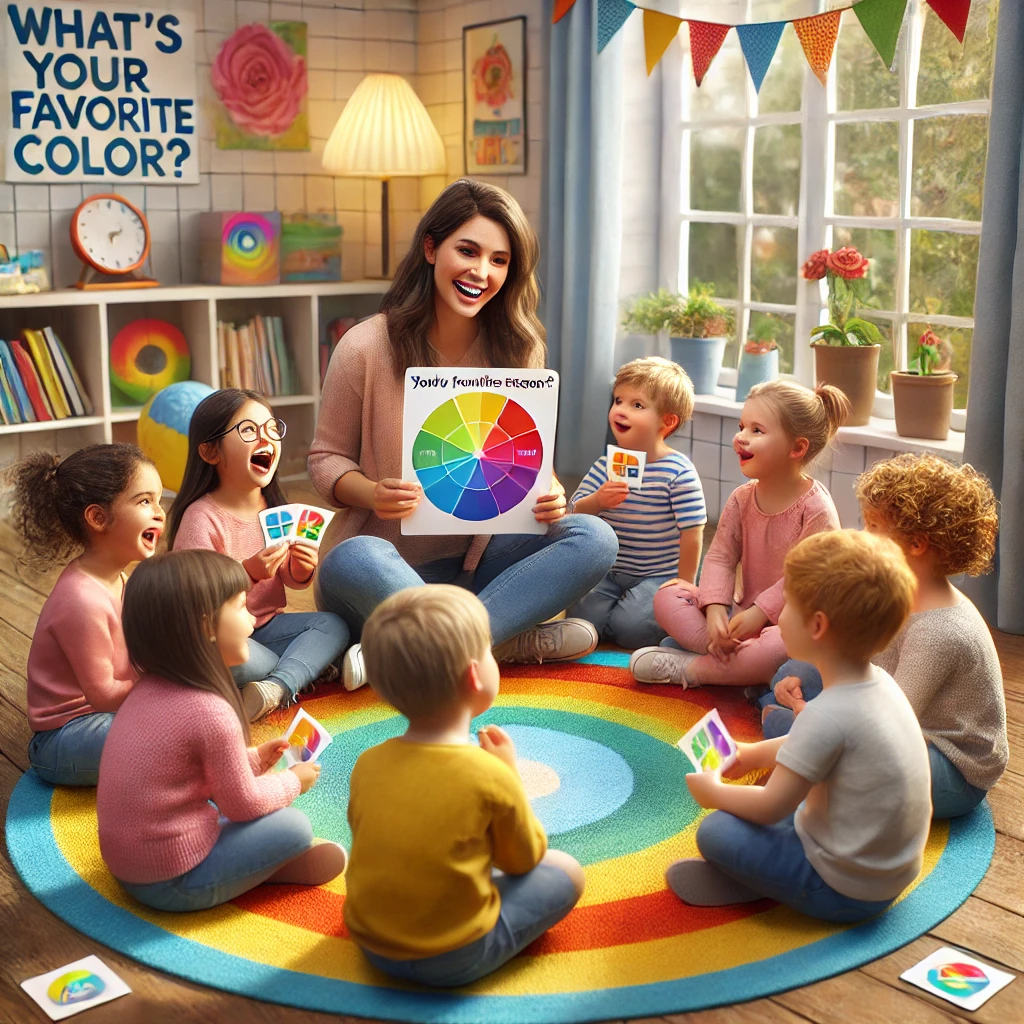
(494, 84)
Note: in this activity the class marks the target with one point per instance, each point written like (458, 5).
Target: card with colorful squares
(708, 745)
(295, 522)
(627, 466)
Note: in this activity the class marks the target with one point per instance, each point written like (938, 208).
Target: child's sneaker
(561, 640)
(260, 698)
(353, 668)
(321, 863)
(661, 665)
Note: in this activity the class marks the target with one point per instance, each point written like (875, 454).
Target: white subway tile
(681, 443)
(291, 193)
(218, 15)
(286, 12)
(352, 226)
(453, 55)
(376, 25)
(431, 90)
(729, 465)
(845, 498)
(378, 55)
(161, 197)
(258, 192)
(6, 198)
(349, 194)
(33, 229)
(320, 21)
(226, 161)
(706, 427)
(873, 455)
(321, 85)
(8, 233)
(352, 260)
(65, 197)
(685, 429)
(188, 227)
(350, 55)
(195, 197)
(848, 458)
(403, 59)
(706, 458)
(477, 12)
(320, 53)
(163, 227)
(712, 497)
(250, 11)
(349, 25)
(290, 163)
(226, 192)
(345, 83)
(319, 194)
(31, 198)
(255, 161)
(454, 19)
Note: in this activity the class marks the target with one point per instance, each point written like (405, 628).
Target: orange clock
(110, 236)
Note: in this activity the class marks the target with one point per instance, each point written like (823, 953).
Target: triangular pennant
(818, 38)
(954, 14)
(882, 21)
(611, 16)
(706, 40)
(562, 8)
(759, 43)
(659, 30)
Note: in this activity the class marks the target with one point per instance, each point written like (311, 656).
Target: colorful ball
(146, 356)
(163, 428)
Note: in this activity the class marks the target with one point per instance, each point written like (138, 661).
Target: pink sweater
(760, 542)
(205, 524)
(78, 662)
(171, 750)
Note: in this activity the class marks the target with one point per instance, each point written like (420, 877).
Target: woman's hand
(270, 752)
(302, 562)
(396, 499)
(496, 741)
(264, 564)
(704, 788)
(748, 623)
(551, 506)
(308, 774)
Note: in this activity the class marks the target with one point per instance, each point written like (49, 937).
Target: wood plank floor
(32, 940)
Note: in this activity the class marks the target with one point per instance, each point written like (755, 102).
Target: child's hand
(720, 644)
(302, 561)
(396, 499)
(746, 624)
(496, 741)
(611, 493)
(308, 774)
(270, 752)
(790, 694)
(264, 564)
(551, 506)
(704, 787)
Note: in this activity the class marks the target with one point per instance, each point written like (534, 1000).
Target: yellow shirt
(429, 821)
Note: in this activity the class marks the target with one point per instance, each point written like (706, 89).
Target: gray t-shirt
(865, 822)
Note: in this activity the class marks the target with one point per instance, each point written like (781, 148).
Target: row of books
(332, 335)
(253, 355)
(38, 380)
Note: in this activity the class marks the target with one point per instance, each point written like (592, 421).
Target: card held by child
(75, 987)
(626, 466)
(295, 522)
(708, 745)
(307, 739)
(957, 978)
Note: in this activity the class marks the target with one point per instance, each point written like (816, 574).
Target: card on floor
(627, 466)
(957, 978)
(75, 987)
(307, 739)
(708, 744)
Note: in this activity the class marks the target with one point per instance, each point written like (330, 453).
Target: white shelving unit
(87, 322)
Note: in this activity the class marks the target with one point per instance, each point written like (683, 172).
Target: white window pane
(715, 254)
(783, 86)
(780, 328)
(777, 169)
(716, 162)
(949, 72)
(949, 166)
(877, 289)
(943, 272)
(957, 345)
(867, 169)
(773, 265)
(863, 82)
(723, 91)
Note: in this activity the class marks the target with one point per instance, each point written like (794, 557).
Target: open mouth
(470, 291)
(151, 536)
(744, 455)
(261, 461)
(620, 425)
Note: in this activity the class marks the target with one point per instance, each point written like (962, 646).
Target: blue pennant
(759, 43)
(611, 16)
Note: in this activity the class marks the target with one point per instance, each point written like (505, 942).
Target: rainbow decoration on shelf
(961, 980)
(240, 248)
(146, 356)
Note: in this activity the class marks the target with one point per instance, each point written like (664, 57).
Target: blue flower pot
(756, 368)
(701, 358)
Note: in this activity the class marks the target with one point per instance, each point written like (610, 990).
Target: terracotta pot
(854, 370)
(923, 404)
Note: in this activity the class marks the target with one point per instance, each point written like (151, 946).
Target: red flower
(929, 338)
(816, 265)
(847, 262)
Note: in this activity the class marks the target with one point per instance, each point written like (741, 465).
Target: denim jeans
(621, 607)
(530, 905)
(70, 755)
(246, 853)
(522, 579)
(770, 859)
(292, 649)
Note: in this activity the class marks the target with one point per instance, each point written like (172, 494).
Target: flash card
(627, 466)
(296, 522)
(708, 744)
(957, 978)
(307, 739)
(75, 987)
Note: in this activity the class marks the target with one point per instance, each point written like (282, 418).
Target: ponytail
(814, 415)
(835, 405)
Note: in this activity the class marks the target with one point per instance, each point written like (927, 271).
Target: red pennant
(954, 14)
(706, 40)
(562, 8)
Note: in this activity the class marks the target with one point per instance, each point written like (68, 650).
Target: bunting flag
(882, 20)
(611, 16)
(953, 13)
(659, 30)
(562, 8)
(817, 36)
(706, 40)
(759, 43)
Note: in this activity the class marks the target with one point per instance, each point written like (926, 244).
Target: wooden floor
(33, 941)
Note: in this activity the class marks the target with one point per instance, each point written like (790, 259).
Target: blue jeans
(621, 607)
(246, 853)
(70, 755)
(770, 859)
(522, 579)
(292, 649)
(530, 905)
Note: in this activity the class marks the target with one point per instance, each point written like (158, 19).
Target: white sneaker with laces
(560, 640)
(661, 665)
(353, 668)
(262, 697)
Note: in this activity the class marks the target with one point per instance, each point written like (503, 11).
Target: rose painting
(259, 77)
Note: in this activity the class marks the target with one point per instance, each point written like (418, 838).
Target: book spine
(63, 373)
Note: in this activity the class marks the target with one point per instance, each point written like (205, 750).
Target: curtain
(995, 414)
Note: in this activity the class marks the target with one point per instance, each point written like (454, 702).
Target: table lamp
(384, 132)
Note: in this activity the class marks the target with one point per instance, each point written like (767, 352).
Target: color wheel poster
(481, 445)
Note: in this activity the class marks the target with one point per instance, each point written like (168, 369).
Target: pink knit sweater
(171, 750)
(78, 663)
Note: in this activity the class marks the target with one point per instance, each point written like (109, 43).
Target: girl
(101, 504)
(177, 752)
(234, 448)
(783, 427)
(464, 296)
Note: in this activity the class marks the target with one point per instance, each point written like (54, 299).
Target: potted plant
(760, 359)
(922, 395)
(697, 327)
(644, 318)
(846, 349)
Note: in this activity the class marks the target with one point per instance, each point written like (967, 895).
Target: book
(287, 384)
(233, 360)
(47, 372)
(30, 378)
(25, 410)
(74, 399)
(8, 409)
(82, 393)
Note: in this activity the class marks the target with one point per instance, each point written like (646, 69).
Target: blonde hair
(815, 415)
(666, 385)
(418, 644)
(953, 507)
(860, 581)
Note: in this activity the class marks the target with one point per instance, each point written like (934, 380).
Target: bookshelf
(87, 321)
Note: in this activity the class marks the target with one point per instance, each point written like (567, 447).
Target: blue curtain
(995, 413)
(582, 234)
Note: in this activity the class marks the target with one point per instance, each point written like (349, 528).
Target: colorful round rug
(598, 757)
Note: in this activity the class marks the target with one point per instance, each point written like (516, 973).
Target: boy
(660, 526)
(839, 830)
(432, 814)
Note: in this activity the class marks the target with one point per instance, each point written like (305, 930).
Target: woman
(465, 295)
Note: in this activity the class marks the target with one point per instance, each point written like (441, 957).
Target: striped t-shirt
(649, 521)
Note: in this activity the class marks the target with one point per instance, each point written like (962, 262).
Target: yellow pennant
(659, 30)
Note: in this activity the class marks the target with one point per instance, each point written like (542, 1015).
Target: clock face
(110, 234)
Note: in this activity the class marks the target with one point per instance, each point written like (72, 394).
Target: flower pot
(923, 404)
(756, 368)
(854, 370)
(701, 358)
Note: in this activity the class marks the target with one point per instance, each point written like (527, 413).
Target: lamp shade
(385, 132)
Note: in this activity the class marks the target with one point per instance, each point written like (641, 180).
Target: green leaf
(864, 331)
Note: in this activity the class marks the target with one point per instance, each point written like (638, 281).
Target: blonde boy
(839, 830)
(433, 815)
(661, 525)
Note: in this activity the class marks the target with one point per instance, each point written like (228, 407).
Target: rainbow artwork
(146, 356)
(708, 745)
(240, 248)
(307, 739)
(626, 466)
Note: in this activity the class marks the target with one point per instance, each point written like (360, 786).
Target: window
(891, 163)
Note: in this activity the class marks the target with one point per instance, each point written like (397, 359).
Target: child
(839, 830)
(101, 503)
(944, 519)
(660, 526)
(783, 427)
(234, 448)
(176, 759)
(433, 815)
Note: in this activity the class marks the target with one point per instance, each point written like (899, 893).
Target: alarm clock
(110, 236)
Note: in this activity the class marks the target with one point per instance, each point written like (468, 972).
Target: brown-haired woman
(465, 295)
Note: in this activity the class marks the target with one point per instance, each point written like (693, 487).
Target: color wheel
(477, 455)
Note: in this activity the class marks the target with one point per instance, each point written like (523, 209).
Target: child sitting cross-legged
(450, 873)
(839, 829)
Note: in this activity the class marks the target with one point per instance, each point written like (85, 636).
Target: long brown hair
(171, 605)
(513, 334)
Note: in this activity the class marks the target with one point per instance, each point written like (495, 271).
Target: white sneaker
(353, 668)
(561, 640)
(661, 665)
(259, 699)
